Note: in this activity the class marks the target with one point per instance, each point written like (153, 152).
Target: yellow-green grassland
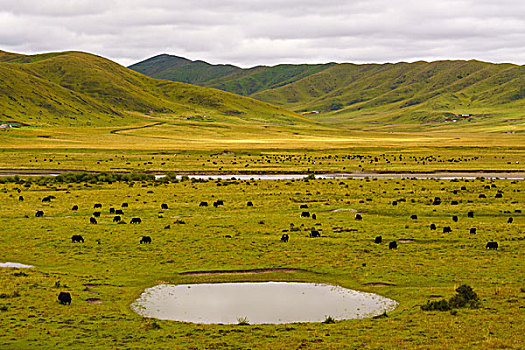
(108, 129)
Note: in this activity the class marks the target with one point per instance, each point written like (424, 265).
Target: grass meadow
(107, 272)
(215, 147)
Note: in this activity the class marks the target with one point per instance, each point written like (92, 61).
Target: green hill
(75, 88)
(425, 92)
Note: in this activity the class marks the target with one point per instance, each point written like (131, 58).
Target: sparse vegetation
(243, 321)
(329, 320)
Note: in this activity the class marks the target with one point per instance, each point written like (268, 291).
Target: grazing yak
(64, 298)
(97, 205)
(75, 207)
(358, 217)
(470, 214)
(303, 206)
(21, 198)
(112, 210)
(473, 230)
(163, 206)
(499, 195)
(305, 214)
(217, 203)
(48, 198)
(96, 214)
(249, 204)
(432, 226)
(394, 202)
(413, 217)
(454, 203)
(482, 196)
(77, 238)
(203, 204)
(284, 238)
(135, 221)
(455, 218)
(119, 212)
(314, 233)
(39, 213)
(510, 220)
(491, 245)
(378, 239)
(145, 239)
(124, 205)
(92, 221)
(314, 216)
(392, 245)
(116, 218)
(447, 229)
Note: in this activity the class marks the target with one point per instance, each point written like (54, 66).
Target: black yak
(77, 238)
(64, 298)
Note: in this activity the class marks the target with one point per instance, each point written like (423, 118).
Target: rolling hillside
(419, 91)
(75, 88)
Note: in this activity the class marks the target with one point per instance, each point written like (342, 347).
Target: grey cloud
(269, 32)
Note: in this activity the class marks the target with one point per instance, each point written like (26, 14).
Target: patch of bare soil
(231, 272)
(94, 301)
(379, 284)
(406, 240)
(343, 209)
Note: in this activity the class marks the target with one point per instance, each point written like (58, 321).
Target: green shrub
(465, 297)
(439, 305)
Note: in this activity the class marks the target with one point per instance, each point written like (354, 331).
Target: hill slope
(75, 88)
(420, 91)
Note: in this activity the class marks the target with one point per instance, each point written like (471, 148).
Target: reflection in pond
(264, 302)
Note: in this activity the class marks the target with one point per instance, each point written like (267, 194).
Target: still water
(342, 176)
(258, 303)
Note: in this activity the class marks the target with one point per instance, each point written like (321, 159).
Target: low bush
(465, 297)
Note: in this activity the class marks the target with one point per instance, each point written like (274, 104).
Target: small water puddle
(258, 303)
(15, 265)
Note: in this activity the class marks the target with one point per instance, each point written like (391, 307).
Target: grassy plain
(183, 146)
(107, 272)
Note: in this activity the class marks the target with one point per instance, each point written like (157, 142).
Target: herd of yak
(65, 298)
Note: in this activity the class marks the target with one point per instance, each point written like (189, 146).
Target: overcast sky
(249, 33)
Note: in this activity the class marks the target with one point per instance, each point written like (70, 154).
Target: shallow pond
(257, 303)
